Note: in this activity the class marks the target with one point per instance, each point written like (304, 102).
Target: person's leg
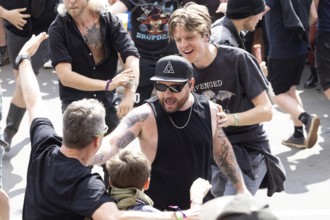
(4, 205)
(327, 93)
(4, 58)
(323, 61)
(290, 102)
(284, 81)
(17, 105)
(4, 199)
(312, 80)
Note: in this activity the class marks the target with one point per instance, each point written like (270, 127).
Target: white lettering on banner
(152, 37)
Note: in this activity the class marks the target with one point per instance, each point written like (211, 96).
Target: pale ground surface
(307, 191)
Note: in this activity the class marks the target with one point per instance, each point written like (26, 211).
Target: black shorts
(16, 42)
(323, 59)
(285, 73)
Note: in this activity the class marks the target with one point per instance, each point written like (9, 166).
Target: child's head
(129, 168)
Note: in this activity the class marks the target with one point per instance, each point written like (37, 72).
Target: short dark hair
(129, 168)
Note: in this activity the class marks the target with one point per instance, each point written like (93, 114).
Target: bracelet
(179, 216)
(107, 86)
(236, 120)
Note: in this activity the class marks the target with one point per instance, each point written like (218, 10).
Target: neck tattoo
(182, 127)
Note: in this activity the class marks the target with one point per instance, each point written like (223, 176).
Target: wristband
(179, 216)
(107, 86)
(236, 120)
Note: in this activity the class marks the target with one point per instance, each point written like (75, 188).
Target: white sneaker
(48, 65)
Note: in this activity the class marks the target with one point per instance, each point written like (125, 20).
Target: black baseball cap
(173, 68)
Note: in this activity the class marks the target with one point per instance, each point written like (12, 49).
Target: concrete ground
(307, 188)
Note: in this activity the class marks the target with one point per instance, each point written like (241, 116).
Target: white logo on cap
(168, 68)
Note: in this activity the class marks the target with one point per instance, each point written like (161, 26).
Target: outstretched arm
(130, 127)
(28, 80)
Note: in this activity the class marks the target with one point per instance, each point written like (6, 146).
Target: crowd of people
(195, 97)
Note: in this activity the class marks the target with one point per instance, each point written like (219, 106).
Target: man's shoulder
(59, 21)
(232, 52)
(221, 35)
(41, 121)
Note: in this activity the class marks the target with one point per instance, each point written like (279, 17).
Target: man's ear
(147, 184)
(191, 83)
(207, 37)
(97, 141)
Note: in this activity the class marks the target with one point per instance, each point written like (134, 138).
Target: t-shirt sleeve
(122, 39)
(42, 132)
(58, 51)
(89, 195)
(251, 76)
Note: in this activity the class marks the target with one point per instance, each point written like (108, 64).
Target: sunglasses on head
(102, 133)
(173, 88)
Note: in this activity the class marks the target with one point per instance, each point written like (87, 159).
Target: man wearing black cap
(177, 132)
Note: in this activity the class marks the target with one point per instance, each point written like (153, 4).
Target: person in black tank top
(177, 132)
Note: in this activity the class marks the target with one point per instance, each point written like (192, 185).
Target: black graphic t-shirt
(149, 28)
(233, 80)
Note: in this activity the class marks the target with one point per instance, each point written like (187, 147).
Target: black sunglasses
(173, 88)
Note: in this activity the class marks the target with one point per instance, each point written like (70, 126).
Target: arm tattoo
(127, 123)
(98, 158)
(226, 160)
(132, 120)
(124, 140)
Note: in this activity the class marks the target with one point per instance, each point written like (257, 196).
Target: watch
(20, 58)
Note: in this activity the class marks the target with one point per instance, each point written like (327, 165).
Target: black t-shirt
(58, 187)
(42, 14)
(233, 80)
(149, 28)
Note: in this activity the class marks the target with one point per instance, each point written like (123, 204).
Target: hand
(222, 7)
(16, 17)
(198, 190)
(125, 105)
(222, 119)
(32, 45)
(126, 78)
(264, 68)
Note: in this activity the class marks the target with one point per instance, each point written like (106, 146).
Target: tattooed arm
(224, 156)
(135, 124)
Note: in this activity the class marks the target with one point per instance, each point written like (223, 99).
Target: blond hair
(192, 17)
(101, 6)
